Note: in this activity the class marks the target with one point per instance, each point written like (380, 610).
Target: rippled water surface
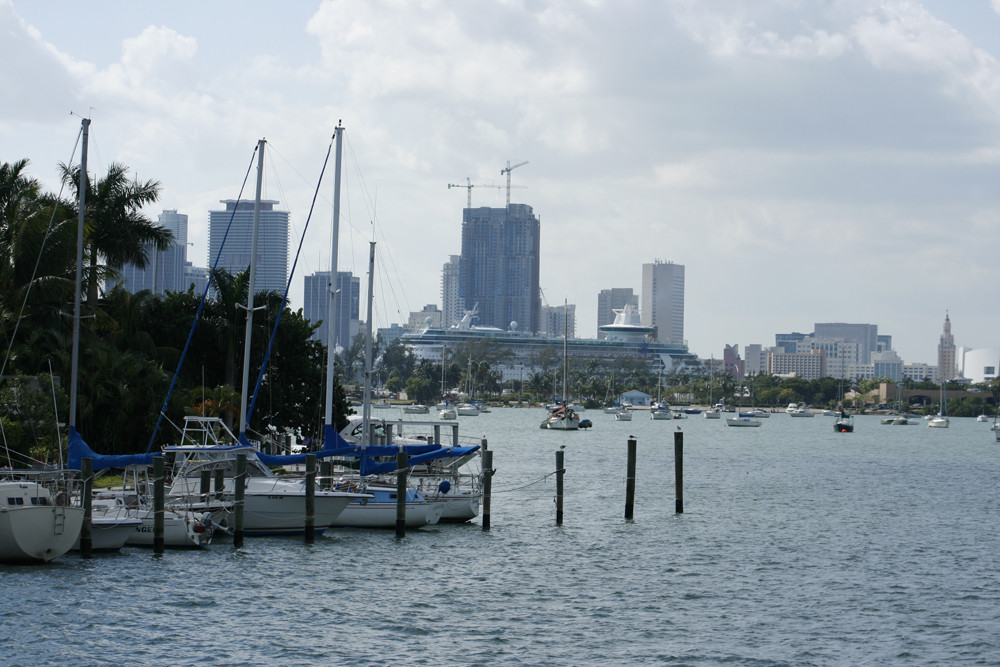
(797, 546)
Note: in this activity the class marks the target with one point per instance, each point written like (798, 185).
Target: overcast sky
(806, 160)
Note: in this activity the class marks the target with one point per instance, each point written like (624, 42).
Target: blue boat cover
(79, 450)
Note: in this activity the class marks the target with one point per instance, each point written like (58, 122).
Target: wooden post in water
(158, 500)
(325, 473)
(206, 485)
(239, 488)
(437, 434)
(220, 484)
(86, 534)
(310, 532)
(679, 472)
(630, 481)
(487, 487)
(559, 486)
(454, 434)
(401, 463)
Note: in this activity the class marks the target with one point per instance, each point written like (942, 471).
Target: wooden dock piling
(630, 480)
(239, 491)
(310, 519)
(158, 501)
(401, 464)
(487, 487)
(679, 471)
(86, 531)
(560, 457)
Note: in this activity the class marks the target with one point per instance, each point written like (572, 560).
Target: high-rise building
(946, 352)
(865, 335)
(347, 298)
(498, 267)
(559, 320)
(452, 307)
(272, 242)
(164, 270)
(610, 300)
(663, 300)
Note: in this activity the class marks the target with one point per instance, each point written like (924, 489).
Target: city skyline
(805, 162)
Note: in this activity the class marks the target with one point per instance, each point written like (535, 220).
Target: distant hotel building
(271, 272)
(663, 300)
(346, 305)
(610, 300)
(559, 320)
(498, 267)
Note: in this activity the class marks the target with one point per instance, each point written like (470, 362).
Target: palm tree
(116, 229)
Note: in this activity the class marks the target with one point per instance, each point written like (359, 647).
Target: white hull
(109, 533)
(623, 416)
(742, 421)
(561, 424)
(38, 534)
(711, 414)
(373, 514)
(181, 530)
(660, 414)
(938, 422)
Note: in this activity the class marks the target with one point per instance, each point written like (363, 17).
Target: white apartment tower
(663, 300)
(452, 308)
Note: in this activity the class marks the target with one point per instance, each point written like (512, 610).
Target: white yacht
(38, 523)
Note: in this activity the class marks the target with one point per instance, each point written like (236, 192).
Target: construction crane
(507, 171)
(469, 185)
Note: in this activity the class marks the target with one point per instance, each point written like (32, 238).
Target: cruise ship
(626, 337)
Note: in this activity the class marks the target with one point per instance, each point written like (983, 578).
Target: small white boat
(561, 419)
(623, 415)
(467, 410)
(37, 521)
(379, 511)
(660, 412)
(799, 410)
(742, 421)
(996, 430)
(416, 409)
(448, 413)
(182, 528)
(982, 418)
(938, 422)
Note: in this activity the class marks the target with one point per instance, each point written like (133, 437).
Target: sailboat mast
(565, 350)
(244, 426)
(331, 311)
(366, 405)
(75, 354)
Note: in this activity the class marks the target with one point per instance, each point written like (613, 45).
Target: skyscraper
(609, 300)
(663, 300)
(272, 242)
(452, 307)
(498, 267)
(346, 305)
(865, 335)
(946, 352)
(164, 270)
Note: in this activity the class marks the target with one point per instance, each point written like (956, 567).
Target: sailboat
(563, 417)
(660, 410)
(941, 420)
(845, 422)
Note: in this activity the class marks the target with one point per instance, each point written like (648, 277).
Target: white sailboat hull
(38, 534)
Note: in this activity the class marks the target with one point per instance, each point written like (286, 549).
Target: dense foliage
(130, 344)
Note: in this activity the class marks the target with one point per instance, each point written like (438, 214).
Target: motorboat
(467, 410)
(38, 521)
(623, 415)
(660, 411)
(561, 418)
(416, 409)
(714, 413)
(798, 410)
(448, 413)
(742, 421)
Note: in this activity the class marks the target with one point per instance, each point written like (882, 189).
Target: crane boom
(469, 185)
(507, 171)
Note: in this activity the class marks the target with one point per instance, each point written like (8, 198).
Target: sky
(805, 160)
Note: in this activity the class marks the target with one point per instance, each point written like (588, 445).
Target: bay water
(798, 545)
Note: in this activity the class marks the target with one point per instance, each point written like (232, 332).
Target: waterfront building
(347, 298)
(732, 363)
(272, 242)
(610, 300)
(452, 306)
(756, 358)
(662, 303)
(499, 265)
(919, 372)
(946, 352)
(164, 270)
